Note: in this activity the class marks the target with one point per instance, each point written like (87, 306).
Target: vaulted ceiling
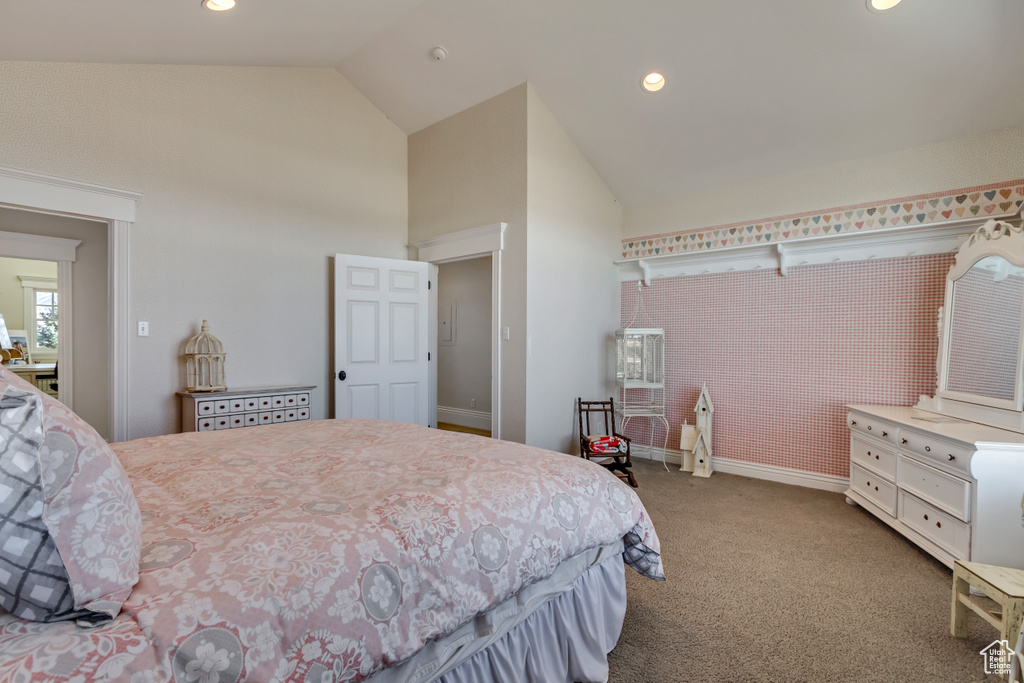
(755, 87)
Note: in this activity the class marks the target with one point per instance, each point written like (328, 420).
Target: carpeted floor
(776, 583)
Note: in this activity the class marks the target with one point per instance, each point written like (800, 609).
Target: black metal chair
(600, 442)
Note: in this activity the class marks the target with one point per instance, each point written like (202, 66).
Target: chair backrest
(596, 417)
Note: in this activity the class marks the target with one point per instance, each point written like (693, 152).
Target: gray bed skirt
(559, 630)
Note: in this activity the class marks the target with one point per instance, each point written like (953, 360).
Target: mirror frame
(994, 238)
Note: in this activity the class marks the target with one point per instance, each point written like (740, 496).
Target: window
(41, 315)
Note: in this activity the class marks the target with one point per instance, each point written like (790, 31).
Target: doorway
(464, 346)
(47, 258)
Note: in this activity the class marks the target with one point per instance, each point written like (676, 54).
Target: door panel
(381, 338)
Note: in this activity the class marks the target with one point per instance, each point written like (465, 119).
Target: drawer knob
(876, 456)
(928, 449)
(869, 428)
(903, 440)
(951, 457)
(938, 524)
(853, 422)
(885, 433)
(876, 488)
(926, 518)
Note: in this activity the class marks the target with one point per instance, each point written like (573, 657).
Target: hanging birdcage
(204, 362)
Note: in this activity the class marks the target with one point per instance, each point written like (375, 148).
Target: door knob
(342, 375)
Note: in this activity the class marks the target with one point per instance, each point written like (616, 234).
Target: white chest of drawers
(953, 487)
(206, 411)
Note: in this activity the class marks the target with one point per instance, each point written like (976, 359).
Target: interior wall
(12, 296)
(90, 336)
(469, 171)
(783, 356)
(573, 296)
(464, 363)
(962, 163)
(252, 179)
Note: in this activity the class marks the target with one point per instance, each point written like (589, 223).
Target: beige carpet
(769, 582)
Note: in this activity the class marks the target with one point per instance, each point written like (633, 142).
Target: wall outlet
(143, 329)
(472, 403)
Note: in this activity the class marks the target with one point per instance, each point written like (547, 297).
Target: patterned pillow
(84, 502)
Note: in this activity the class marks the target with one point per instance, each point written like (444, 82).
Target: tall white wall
(573, 293)
(468, 171)
(951, 165)
(90, 336)
(252, 178)
(464, 364)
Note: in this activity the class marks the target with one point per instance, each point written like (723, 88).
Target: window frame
(31, 285)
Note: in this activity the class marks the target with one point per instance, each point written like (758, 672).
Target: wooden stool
(1005, 586)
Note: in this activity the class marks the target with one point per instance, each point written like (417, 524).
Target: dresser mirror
(981, 337)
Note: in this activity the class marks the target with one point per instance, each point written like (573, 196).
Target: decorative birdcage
(204, 362)
(640, 358)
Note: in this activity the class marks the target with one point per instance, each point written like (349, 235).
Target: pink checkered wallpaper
(782, 356)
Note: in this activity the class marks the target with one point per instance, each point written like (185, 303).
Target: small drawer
(303, 413)
(252, 403)
(266, 402)
(878, 490)
(252, 419)
(291, 415)
(206, 424)
(237, 421)
(872, 426)
(277, 402)
(942, 490)
(278, 416)
(873, 457)
(222, 422)
(302, 399)
(205, 408)
(237, 405)
(266, 417)
(948, 533)
(222, 407)
(947, 454)
(290, 400)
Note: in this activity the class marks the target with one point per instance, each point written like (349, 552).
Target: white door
(381, 339)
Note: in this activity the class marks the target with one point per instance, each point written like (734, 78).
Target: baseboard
(784, 475)
(464, 418)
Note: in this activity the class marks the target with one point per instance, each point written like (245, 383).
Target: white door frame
(61, 250)
(44, 193)
(488, 240)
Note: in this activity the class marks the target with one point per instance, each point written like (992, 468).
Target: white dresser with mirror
(948, 473)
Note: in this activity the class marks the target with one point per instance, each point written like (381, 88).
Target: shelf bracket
(646, 267)
(783, 260)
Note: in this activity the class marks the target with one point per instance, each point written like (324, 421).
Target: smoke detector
(439, 54)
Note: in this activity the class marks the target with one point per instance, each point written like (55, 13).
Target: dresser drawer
(936, 451)
(205, 424)
(204, 408)
(237, 405)
(942, 490)
(879, 491)
(873, 457)
(945, 531)
(222, 422)
(872, 426)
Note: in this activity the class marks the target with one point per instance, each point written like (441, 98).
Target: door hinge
(428, 355)
(428, 284)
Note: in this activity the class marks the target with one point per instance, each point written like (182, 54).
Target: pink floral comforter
(327, 550)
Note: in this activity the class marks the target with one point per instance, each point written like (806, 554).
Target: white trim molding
(942, 238)
(477, 419)
(462, 245)
(44, 193)
(38, 247)
(783, 475)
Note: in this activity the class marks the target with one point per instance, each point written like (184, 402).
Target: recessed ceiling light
(653, 82)
(218, 5)
(882, 5)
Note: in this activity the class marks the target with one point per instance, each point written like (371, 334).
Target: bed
(335, 550)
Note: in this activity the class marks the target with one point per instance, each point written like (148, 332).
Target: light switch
(143, 329)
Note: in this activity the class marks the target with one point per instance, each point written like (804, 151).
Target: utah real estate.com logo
(998, 656)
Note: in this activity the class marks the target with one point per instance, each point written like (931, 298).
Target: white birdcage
(204, 362)
(640, 357)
